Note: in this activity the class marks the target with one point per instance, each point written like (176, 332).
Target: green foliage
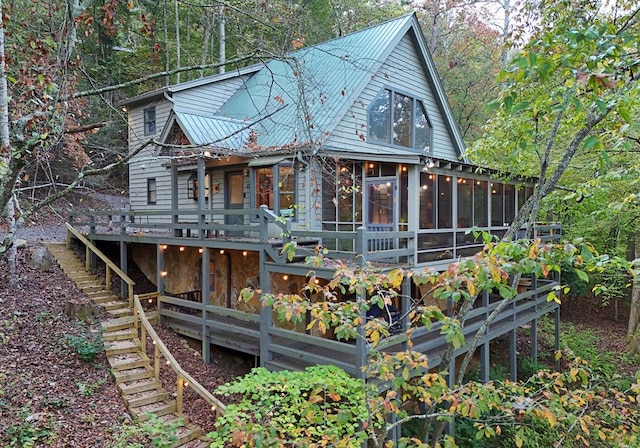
(153, 431)
(33, 430)
(87, 345)
(319, 406)
(87, 389)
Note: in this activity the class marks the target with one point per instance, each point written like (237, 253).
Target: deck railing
(144, 328)
(110, 266)
(263, 226)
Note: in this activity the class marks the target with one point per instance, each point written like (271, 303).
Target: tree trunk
(633, 328)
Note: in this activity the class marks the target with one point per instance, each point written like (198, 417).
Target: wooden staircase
(131, 367)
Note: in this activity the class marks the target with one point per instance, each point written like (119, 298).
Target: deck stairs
(131, 368)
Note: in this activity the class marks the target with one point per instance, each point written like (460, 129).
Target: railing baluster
(107, 279)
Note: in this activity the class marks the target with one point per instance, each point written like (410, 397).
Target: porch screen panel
(465, 203)
(444, 202)
(509, 203)
(427, 200)
(497, 205)
(480, 206)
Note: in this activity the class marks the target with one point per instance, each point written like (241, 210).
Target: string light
(164, 247)
(181, 248)
(200, 250)
(163, 274)
(221, 251)
(244, 253)
(285, 277)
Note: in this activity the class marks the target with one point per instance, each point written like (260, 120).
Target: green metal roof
(328, 76)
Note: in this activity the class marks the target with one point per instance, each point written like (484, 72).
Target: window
(151, 191)
(427, 200)
(397, 119)
(150, 120)
(275, 187)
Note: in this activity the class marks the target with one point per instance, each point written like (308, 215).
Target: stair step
(186, 434)
(139, 373)
(146, 397)
(120, 312)
(119, 335)
(122, 346)
(200, 442)
(127, 361)
(161, 408)
(132, 387)
(112, 304)
(86, 289)
(104, 297)
(118, 323)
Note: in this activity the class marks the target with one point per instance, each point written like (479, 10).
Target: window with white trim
(397, 119)
(149, 120)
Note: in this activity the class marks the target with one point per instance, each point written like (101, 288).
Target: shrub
(322, 404)
(87, 345)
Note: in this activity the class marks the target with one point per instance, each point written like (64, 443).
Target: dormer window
(399, 120)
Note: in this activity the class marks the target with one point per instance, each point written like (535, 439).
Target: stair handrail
(109, 265)
(139, 317)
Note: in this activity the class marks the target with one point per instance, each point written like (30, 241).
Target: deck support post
(361, 246)
(485, 362)
(206, 297)
(266, 312)
(160, 274)
(174, 198)
(124, 287)
(534, 340)
(451, 382)
(361, 341)
(557, 330)
(513, 356)
(405, 307)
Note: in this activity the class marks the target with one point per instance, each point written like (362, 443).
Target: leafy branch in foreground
(576, 402)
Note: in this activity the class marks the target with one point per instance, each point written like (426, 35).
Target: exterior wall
(402, 71)
(207, 99)
(146, 164)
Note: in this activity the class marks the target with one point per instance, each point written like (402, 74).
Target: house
(349, 144)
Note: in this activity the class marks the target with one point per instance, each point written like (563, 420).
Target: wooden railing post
(107, 278)
(179, 394)
(264, 223)
(156, 362)
(143, 339)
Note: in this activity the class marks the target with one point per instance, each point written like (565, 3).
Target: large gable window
(399, 120)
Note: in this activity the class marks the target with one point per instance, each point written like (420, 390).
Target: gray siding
(207, 99)
(147, 164)
(402, 71)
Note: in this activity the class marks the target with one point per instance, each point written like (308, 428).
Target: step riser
(130, 365)
(119, 336)
(142, 416)
(125, 378)
(130, 390)
(194, 433)
(137, 402)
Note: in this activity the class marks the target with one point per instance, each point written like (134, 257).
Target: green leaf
(590, 142)
(582, 275)
(508, 103)
(626, 116)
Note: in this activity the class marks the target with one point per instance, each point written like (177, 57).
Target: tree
(569, 90)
